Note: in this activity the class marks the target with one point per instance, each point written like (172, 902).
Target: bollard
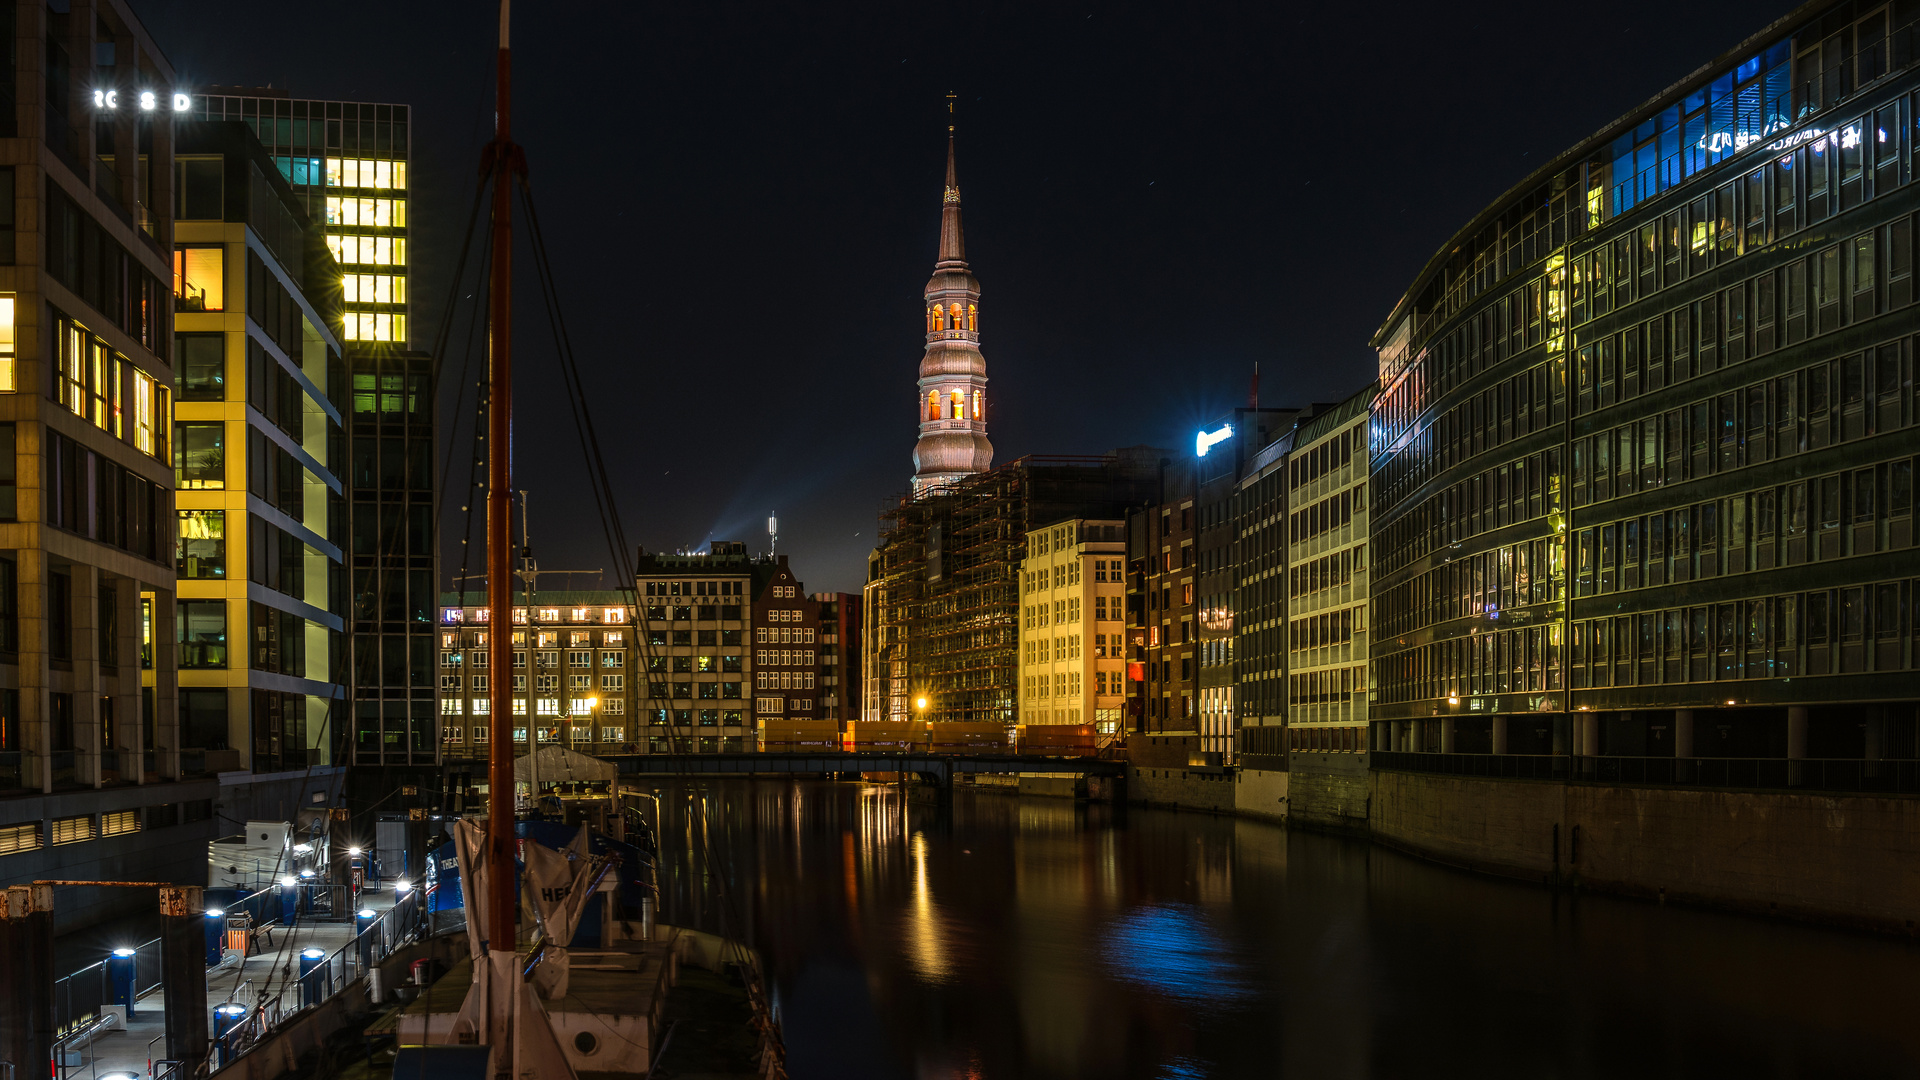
(363, 924)
(313, 974)
(289, 901)
(225, 1019)
(215, 925)
(26, 944)
(120, 979)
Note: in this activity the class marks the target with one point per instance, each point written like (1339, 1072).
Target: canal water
(1036, 937)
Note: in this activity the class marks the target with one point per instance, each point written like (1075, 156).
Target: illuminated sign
(149, 100)
(1204, 441)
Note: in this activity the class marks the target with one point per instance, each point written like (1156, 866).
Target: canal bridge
(937, 770)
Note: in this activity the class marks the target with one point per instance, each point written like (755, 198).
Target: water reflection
(1172, 949)
(1016, 937)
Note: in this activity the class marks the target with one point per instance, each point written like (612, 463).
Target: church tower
(952, 402)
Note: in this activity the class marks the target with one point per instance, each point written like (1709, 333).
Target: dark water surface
(1033, 937)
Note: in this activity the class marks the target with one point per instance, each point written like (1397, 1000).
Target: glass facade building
(347, 161)
(393, 559)
(1643, 455)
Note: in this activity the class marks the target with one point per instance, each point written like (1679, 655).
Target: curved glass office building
(1643, 456)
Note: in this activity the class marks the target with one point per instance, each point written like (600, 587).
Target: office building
(701, 615)
(93, 770)
(841, 623)
(347, 162)
(1325, 618)
(1643, 453)
(943, 597)
(1073, 626)
(786, 664)
(393, 556)
(574, 672)
(257, 438)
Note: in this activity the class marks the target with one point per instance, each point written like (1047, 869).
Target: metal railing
(1890, 776)
(80, 998)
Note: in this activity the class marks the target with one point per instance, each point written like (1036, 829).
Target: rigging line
(590, 449)
(483, 400)
(438, 360)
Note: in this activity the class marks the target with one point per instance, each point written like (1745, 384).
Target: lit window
(143, 393)
(199, 278)
(8, 380)
(366, 173)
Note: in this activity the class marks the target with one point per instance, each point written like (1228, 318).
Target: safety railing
(321, 974)
(80, 998)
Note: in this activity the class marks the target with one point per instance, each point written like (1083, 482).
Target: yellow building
(257, 433)
(1072, 624)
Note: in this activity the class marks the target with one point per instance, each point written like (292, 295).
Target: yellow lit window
(8, 380)
(116, 385)
(959, 405)
(73, 370)
(199, 278)
(374, 289)
(99, 364)
(142, 411)
(374, 213)
(368, 250)
(973, 318)
(119, 822)
(376, 326)
(366, 173)
(933, 404)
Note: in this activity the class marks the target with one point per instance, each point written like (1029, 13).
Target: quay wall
(1840, 859)
(1851, 860)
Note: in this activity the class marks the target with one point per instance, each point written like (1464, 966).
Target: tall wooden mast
(502, 923)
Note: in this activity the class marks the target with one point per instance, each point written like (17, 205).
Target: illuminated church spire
(952, 398)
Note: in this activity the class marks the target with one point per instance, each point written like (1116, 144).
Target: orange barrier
(885, 737)
(1058, 740)
(799, 736)
(968, 737)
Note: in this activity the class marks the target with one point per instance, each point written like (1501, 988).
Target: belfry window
(957, 324)
(933, 404)
(959, 405)
(973, 319)
(933, 319)
(977, 414)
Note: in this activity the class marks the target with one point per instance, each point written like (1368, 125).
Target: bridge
(935, 769)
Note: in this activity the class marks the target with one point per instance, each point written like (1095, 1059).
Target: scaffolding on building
(943, 589)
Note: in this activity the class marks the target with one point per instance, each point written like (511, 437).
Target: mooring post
(183, 972)
(26, 1011)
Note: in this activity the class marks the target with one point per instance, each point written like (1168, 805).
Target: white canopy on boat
(559, 765)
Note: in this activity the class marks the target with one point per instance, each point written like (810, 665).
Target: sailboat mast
(502, 923)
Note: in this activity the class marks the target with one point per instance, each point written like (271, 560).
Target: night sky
(742, 204)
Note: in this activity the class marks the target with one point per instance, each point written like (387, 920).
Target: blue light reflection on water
(1174, 950)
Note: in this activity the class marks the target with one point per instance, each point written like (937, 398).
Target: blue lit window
(1737, 109)
(300, 170)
